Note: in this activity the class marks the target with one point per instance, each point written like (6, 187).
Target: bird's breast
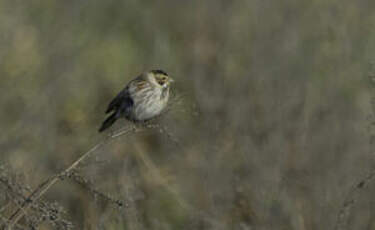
(150, 104)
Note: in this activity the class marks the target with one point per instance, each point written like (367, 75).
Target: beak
(171, 80)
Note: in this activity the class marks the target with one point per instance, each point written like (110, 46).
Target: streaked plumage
(142, 99)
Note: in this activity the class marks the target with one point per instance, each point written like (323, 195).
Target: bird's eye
(162, 80)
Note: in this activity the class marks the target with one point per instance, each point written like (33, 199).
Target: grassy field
(271, 125)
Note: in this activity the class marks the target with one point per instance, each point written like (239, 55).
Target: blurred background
(272, 128)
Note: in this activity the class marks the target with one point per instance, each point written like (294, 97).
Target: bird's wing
(136, 86)
(121, 101)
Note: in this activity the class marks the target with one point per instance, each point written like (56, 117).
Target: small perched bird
(142, 99)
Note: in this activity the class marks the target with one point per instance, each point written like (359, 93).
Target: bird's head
(160, 78)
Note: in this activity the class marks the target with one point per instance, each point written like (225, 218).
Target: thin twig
(47, 184)
(88, 185)
(342, 219)
(15, 190)
(7, 221)
(343, 215)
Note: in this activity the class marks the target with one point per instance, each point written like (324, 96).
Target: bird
(143, 98)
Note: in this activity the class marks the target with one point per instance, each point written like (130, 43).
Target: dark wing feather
(121, 102)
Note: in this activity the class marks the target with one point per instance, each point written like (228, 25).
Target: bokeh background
(272, 128)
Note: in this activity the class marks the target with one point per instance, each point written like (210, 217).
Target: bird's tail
(108, 122)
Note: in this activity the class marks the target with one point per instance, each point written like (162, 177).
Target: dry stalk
(37, 193)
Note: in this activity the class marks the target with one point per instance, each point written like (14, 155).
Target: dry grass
(274, 128)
